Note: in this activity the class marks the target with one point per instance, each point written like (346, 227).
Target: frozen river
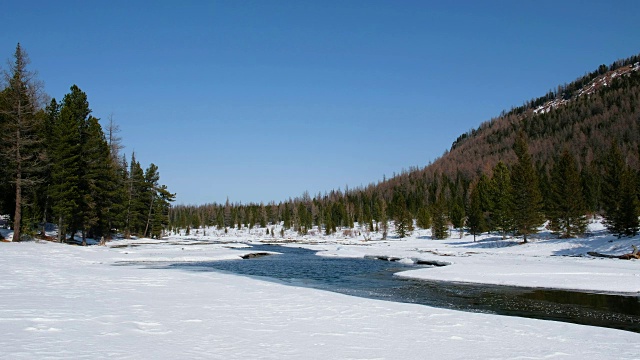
(374, 279)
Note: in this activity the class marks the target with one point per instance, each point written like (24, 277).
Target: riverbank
(545, 261)
(59, 301)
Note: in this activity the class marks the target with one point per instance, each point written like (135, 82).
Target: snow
(59, 301)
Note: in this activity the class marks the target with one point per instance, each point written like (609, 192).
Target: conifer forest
(61, 165)
(558, 160)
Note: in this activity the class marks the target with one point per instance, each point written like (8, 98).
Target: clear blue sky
(262, 100)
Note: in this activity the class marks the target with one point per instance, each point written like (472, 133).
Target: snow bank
(60, 302)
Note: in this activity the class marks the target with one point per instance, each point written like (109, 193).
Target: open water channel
(374, 279)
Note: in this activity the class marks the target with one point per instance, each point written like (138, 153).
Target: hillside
(583, 117)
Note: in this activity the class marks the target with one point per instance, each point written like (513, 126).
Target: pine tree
(424, 218)
(67, 164)
(475, 218)
(137, 199)
(383, 219)
(630, 206)
(439, 221)
(98, 182)
(566, 207)
(457, 215)
(220, 219)
(527, 199)
(21, 146)
(304, 219)
(502, 209)
(403, 223)
(151, 179)
(591, 186)
(160, 213)
(402, 217)
(484, 188)
(620, 201)
(51, 116)
(286, 217)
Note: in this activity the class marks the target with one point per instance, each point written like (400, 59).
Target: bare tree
(114, 140)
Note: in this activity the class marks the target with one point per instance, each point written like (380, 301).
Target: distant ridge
(583, 116)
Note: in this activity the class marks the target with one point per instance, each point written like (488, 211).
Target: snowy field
(70, 302)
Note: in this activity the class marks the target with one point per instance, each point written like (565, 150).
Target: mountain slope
(583, 119)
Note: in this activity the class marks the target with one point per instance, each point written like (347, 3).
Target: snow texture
(61, 302)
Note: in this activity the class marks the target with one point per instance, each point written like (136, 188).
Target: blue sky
(263, 100)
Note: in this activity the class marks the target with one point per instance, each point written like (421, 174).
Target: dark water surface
(374, 279)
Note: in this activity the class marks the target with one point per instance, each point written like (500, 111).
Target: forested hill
(583, 117)
(570, 153)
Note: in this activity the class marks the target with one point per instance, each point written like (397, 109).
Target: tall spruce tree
(475, 216)
(457, 214)
(439, 221)
(382, 221)
(21, 147)
(591, 185)
(501, 199)
(566, 206)
(98, 182)
(484, 187)
(67, 164)
(160, 215)
(527, 199)
(403, 220)
(137, 206)
(619, 197)
(151, 184)
(424, 218)
(52, 113)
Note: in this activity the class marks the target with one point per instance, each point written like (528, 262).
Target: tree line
(508, 200)
(57, 165)
(509, 177)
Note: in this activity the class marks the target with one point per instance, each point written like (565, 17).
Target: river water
(374, 279)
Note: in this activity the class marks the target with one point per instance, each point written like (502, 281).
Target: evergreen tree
(262, 216)
(286, 217)
(502, 209)
(439, 221)
(52, 113)
(475, 218)
(424, 218)
(21, 147)
(402, 217)
(403, 223)
(304, 219)
(160, 215)
(67, 164)
(527, 199)
(151, 185)
(137, 203)
(329, 226)
(620, 201)
(591, 186)
(484, 189)
(457, 215)
(220, 219)
(97, 182)
(383, 218)
(566, 207)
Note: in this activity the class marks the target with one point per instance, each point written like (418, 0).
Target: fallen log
(635, 254)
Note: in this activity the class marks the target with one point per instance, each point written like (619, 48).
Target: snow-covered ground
(545, 261)
(61, 301)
